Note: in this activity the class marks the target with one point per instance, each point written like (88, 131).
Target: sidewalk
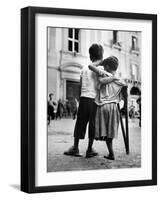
(60, 138)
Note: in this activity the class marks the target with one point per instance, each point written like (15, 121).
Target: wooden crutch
(125, 131)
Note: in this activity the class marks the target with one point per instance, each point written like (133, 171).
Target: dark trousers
(86, 114)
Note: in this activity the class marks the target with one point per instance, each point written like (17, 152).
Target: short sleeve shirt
(89, 83)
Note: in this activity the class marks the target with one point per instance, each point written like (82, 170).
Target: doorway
(72, 90)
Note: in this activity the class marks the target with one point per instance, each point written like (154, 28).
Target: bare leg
(90, 143)
(110, 149)
(90, 152)
(76, 143)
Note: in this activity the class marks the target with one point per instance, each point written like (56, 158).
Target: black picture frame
(28, 98)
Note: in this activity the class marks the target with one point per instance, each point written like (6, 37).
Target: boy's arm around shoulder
(99, 70)
(106, 80)
(120, 82)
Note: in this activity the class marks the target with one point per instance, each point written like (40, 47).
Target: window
(134, 43)
(73, 40)
(115, 37)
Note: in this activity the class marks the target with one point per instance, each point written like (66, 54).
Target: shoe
(91, 153)
(109, 157)
(72, 152)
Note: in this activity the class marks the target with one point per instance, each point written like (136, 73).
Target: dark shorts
(86, 113)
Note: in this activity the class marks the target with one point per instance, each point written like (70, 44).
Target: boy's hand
(121, 82)
(115, 78)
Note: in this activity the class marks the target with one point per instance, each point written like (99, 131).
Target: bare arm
(93, 67)
(96, 70)
(106, 80)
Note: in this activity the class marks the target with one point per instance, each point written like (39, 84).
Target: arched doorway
(135, 91)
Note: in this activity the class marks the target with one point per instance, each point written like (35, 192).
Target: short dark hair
(96, 52)
(112, 62)
(50, 95)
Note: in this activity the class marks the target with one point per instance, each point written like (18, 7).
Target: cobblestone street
(60, 138)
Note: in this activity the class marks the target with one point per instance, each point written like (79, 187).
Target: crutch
(125, 131)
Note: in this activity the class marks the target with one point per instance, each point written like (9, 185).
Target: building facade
(68, 53)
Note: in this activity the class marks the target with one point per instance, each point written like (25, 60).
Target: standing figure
(74, 107)
(55, 109)
(68, 105)
(65, 113)
(139, 102)
(50, 108)
(60, 109)
(132, 111)
(107, 114)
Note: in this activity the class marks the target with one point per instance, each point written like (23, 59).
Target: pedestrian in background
(68, 105)
(55, 110)
(74, 107)
(139, 102)
(132, 111)
(50, 108)
(60, 109)
(65, 113)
